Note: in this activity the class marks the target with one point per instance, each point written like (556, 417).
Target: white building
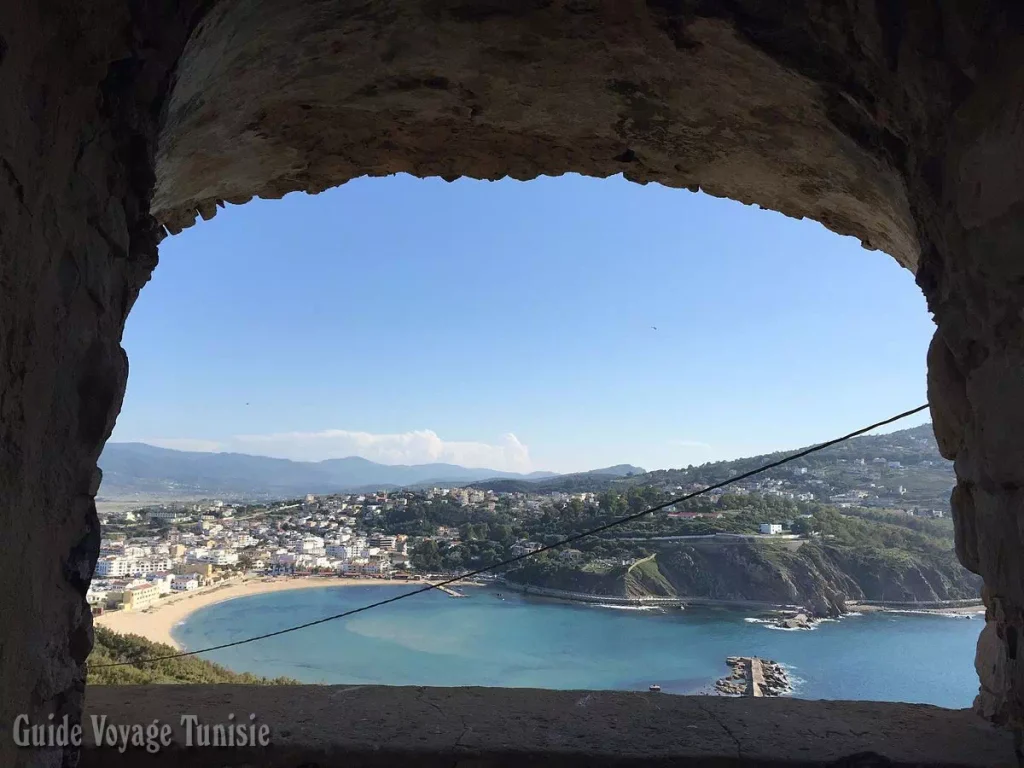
(341, 551)
(312, 545)
(168, 515)
(377, 568)
(354, 566)
(771, 528)
(185, 583)
(223, 557)
(524, 548)
(115, 566)
(162, 581)
(112, 566)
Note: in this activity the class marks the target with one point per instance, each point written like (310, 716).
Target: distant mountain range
(136, 471)
(133, 470)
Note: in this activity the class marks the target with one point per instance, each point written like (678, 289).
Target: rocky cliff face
(821, 577)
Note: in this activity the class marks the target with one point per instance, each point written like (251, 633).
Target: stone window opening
(898, 125)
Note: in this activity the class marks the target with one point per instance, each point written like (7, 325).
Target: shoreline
(959, 610)
(954, 607)
(155, 623)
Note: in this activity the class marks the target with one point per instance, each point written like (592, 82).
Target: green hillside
(849, 555)
(111, 647)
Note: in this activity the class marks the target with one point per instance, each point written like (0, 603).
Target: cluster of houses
(877, 482)
(133, 575)
(203, 543)
(172, 549)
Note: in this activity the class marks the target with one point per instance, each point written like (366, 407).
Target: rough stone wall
(314, 726)
(974, 280)
(80, 88)
(898, 123)
(674, 92)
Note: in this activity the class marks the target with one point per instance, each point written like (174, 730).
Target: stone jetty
(753, 676)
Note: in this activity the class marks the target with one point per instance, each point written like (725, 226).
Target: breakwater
(753, 676)
(449, 591)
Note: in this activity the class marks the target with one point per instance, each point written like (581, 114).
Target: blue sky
(509, 324)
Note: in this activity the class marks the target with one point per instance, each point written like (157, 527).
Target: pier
(450, 592)
(753, 676)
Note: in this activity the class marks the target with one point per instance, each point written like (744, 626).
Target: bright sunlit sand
(156, 622)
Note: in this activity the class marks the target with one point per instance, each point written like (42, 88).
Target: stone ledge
(321, 726)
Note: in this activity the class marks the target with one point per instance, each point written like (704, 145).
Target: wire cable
(547, 548)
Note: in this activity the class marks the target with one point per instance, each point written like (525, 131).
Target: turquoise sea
(514, 641)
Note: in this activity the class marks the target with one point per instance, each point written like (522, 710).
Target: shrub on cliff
(111, 647)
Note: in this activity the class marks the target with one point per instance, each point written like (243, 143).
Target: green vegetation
(843, 555)
(111, 647)
(859, 553)
(645, 577)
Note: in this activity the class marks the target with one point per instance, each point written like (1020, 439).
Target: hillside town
(153, 552)
(156, 551)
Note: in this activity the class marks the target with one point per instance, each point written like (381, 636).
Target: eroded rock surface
(685, 94)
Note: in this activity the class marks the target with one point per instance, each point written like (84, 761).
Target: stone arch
(898, 124)
(682, 98)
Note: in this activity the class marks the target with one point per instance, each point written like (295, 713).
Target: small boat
(654, 688)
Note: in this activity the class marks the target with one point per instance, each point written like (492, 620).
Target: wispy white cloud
(417, 447)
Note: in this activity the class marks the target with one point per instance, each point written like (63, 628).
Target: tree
(802, 526)
(612, 504)
(501, 533)
(575, 509)
(426, 556)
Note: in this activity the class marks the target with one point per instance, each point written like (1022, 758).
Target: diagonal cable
(568, 540)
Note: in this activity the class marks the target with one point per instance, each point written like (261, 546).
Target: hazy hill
(621, 470)
(577, 482)
(133, 469)
(926, 477)
(858, 464)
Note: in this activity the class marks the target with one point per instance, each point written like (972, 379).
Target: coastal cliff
(819, 576)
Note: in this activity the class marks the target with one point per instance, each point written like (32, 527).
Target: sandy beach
(155, 623)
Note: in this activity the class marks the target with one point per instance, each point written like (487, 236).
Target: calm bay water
(512, 641)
